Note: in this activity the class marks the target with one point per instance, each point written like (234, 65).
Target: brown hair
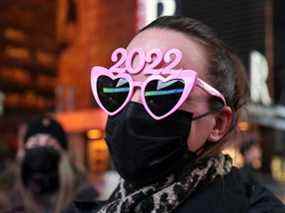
(225, 72)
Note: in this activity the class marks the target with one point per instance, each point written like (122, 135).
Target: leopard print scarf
(166, 195)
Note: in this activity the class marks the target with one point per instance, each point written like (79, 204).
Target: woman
(172, 105)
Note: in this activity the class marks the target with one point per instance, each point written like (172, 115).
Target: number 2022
(124, 61)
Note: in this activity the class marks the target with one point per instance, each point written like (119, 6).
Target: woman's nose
(136, 96)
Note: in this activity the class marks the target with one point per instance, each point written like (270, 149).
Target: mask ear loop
(204, 148)
(203, 115)
(208, 145)
(199, 153)
(217, 109)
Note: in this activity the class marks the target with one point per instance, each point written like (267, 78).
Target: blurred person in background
(252, 155)
(47, 180)
(167, 151)
(8, 168)
(7, 176)
(102, 180)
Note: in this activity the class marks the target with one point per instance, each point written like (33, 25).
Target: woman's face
(194, 58)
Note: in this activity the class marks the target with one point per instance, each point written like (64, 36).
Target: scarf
(166, 195)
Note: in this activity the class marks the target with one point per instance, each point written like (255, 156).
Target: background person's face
(39, 164)
(194, 58)
(254, 157)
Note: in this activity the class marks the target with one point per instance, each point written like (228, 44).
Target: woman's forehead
(194, 56)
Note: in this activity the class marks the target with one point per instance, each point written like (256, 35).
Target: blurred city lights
(243, 126)
(94, 134)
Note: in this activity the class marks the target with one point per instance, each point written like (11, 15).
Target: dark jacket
(230, 194)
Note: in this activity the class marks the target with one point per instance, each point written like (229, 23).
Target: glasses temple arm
(210, 90)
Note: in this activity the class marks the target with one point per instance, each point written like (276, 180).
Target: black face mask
(39, 170)
(143, 149)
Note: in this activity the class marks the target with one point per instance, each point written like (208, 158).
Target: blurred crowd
(43, 177)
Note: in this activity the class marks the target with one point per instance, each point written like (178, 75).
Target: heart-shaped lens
(112, 93)
(161, 97)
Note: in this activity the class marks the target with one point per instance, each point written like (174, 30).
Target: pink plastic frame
(188, 76)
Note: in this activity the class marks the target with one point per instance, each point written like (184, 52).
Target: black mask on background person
(143, 149)
(39, 170)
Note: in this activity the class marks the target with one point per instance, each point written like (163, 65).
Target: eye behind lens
(112, 93)
(161, 97)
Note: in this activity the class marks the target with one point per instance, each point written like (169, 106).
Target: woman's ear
(223, 122)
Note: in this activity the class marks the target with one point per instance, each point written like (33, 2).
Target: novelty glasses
(161, 96)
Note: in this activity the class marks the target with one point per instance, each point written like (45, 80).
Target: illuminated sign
(258, 79)
(148, 11)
